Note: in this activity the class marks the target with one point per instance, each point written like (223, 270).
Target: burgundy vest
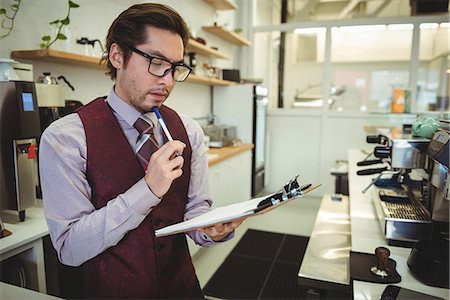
(140, 266)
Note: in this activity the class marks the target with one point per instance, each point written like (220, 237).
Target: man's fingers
(172, 149)
(219, 227)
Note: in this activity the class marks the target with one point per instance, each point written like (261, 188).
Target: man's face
(135, 85)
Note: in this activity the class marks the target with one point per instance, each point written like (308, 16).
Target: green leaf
(73, 4)
(54, 22)
(66, 21)
(46, 38)
(42, 45)
(2, 11)
(14, 7)
(61, 36)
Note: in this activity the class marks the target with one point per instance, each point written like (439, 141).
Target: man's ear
(116, 56)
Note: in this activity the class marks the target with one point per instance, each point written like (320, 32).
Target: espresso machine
(400, 189)
(19, 131)
(412, 195)
(429, 258)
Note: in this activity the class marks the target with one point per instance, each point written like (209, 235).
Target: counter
(325, 263)
(217, 155)
(366, 235)
(12, 292)
(26, 242)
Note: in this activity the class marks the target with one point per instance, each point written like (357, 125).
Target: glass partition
(265, 62)
(303, 75)
(368, 69)
(370, 64)
(432, 84)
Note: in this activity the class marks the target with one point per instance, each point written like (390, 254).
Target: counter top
(325, 263)
(367, 235)
(12, 292)
(34, 227)
(216, 155)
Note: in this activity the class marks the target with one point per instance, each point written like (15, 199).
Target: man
(103, 196)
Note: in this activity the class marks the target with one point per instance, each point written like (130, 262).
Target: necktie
(146, 143)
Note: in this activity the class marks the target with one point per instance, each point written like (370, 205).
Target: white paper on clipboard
(223, 214)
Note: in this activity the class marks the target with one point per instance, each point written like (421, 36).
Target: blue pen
(163, 124)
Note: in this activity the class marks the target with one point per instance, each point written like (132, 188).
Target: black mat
(263, 265)
(360, 264)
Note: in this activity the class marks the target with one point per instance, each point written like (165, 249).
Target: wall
(92, 19)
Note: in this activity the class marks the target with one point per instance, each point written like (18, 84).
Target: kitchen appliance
(231, 75)
(19, 130)
(13, 70)
(245, 106)
(220, 135)
(412, 204)
(51, 99)
(400, 189)
(429, 260)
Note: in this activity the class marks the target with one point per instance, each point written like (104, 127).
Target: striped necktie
(146, 143)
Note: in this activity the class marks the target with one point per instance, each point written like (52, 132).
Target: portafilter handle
(378, 177)
(376, 139)
(382, 152)
(373, 139)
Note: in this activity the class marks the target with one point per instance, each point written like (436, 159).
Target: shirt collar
(125, 110)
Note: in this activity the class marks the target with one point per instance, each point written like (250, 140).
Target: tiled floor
(296, 217)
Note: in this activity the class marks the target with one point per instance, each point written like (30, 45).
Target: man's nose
(168, 78)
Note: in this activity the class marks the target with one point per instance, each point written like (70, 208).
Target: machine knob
(382, 152)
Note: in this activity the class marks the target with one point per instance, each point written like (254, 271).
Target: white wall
(92, 19)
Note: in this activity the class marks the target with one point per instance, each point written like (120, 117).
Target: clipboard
(241, 210)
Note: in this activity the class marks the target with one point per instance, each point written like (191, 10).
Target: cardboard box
(401, 101)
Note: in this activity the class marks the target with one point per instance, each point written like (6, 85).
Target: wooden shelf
(221, 4)
(56, 56)
(209, 81)
(227, 35)
(201, 49)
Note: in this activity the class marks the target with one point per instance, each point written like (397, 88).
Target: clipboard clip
(289, 190)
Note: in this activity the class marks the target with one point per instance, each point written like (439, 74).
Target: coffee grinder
(19, 131)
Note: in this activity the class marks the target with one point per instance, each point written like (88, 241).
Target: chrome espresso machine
(19, 130)
(411, 197)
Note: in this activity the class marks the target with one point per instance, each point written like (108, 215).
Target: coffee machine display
(19, 131)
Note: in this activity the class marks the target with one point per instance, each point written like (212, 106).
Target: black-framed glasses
(160, 67)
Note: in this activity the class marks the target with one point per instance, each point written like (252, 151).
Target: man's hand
(219, 231)
(164, 167)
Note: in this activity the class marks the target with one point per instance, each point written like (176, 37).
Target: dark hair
(129, 29)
